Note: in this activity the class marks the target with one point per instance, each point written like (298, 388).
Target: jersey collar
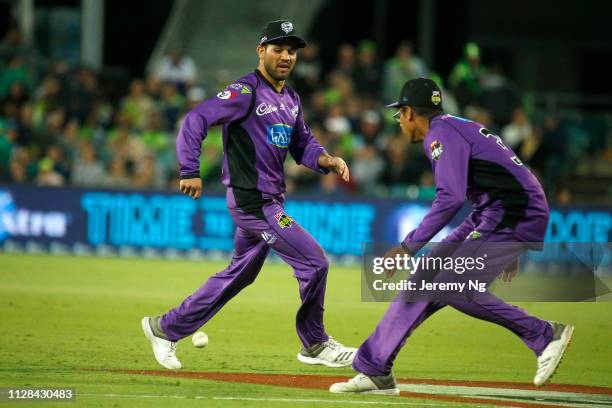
(282, 91)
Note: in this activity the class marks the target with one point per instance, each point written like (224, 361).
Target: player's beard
(277, 76)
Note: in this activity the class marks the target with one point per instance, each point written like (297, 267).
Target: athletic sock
(156, 328)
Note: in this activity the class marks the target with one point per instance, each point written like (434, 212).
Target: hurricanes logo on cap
(436, 98)
(287, 27)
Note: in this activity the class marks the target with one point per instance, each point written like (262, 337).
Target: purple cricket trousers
(377, 353)
(256, 233)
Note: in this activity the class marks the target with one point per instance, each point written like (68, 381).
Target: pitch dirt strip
(506, 394)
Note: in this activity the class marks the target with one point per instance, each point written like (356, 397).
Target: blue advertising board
(169, 221)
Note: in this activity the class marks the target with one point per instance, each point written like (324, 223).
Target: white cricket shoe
(365, 384)
(164, 350)
(552, 355)
(330, 353)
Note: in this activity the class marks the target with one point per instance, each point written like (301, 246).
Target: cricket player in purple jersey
(262, 120)
(509, 206)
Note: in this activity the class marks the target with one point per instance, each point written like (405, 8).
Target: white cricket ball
(200, 339)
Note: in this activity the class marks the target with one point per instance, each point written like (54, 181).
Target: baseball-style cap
(278, 31)
(420, 93)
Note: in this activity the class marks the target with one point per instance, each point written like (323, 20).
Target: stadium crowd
(59, 126)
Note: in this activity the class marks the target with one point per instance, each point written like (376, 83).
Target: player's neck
(277, 85)
(422, 128)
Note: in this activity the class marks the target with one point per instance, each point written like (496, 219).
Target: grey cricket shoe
(368, 384)
(330, 353)
(552, 355)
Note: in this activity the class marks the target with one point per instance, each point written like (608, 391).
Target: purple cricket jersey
(468, 160)
(259, 126)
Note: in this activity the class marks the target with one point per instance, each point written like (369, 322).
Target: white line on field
(458, 390)
(264, 399)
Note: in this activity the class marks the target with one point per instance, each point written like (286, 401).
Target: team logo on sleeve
(242, 88)
(436, 149)
(283, 220)
(279, 135)
(295, 110)
(436, 98)
(227, 94)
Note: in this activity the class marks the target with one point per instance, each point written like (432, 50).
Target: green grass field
(63, 315)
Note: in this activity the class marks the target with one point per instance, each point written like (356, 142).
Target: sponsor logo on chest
(279, 135)
(265, 108)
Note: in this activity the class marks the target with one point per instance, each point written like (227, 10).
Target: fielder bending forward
(262, 120)
(509, 206)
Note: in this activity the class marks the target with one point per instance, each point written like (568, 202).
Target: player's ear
(410, 113)
(261, 50)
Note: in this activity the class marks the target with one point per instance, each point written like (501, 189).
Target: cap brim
(393, 105)
(300, 42)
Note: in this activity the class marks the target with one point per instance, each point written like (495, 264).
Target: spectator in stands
(7, 143)
(47, 176)
(83, 94)
(401, 68)
(15, 71)
(19, 166)
(177, 69)
(171, 105)
(87, 170)
(12, 103)
(137, 104)
(117, 176)
(125, 144)
(366, 74)
(147, 174)
(464, 79)
(307, 74)
(481, 115)
(25, 126)
(346, 60)
(50, 96)
(396, 170)
(500, 96)
(518, 131)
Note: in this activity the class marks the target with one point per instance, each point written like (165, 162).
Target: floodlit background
(94, 234)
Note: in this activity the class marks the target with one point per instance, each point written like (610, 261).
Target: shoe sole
(390, 392)
(146, 328)
(564, 347)
(319, 361)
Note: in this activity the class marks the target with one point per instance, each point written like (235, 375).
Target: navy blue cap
(279, 32)
(420, 93)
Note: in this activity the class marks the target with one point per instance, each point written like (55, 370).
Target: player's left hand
(510, 271)
(392, 253)
(338, 166)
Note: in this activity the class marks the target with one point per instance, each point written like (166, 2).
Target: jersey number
(487, 133)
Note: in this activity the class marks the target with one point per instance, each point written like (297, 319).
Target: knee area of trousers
(321, 265)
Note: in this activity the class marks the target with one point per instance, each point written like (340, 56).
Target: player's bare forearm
(334, 164)
(191, 187)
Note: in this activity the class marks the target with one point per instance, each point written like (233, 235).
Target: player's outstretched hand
(392, 253)
(191, 187)
(510, 271)
(338, 166)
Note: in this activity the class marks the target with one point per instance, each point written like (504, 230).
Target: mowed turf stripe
(323, 382)
(263, 399)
